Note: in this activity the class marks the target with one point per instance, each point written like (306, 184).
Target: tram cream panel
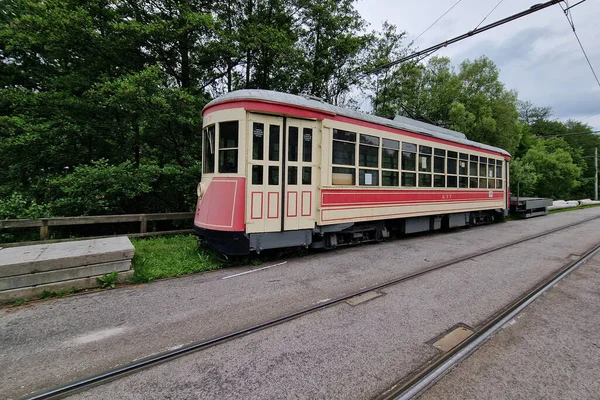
(235, 114)
(370, 213)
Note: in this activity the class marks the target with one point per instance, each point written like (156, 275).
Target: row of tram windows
(386, 162)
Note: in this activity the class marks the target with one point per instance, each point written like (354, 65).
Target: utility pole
(596, 160)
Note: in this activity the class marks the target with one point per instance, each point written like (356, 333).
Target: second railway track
(84, 384)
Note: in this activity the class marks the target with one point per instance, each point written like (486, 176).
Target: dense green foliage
(100, 101)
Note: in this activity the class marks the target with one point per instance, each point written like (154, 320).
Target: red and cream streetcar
(281, 170)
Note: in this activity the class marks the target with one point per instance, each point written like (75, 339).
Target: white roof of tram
(314, 103)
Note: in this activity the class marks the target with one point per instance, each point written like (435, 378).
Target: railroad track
(421, 380)
(398, 390)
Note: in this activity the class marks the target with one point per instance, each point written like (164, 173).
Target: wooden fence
(44, 224)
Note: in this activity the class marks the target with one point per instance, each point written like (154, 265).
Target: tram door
(300, 174)
(264, 186)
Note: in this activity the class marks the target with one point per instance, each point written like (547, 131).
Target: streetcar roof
(314, 103)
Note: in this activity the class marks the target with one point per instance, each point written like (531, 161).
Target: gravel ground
(356, 352)
(551, 351)
(74, 337)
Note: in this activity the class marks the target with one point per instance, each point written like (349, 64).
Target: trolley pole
(596, 161)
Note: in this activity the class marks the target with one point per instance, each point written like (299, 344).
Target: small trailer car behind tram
(281, 170)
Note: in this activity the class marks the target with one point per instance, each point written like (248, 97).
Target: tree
(558, 176)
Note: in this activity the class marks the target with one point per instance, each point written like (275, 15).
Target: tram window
(273, 175)
(424, 149)
(409, 160)
(474, 158)
(228, 135)
(307, 145)
(498, 183)
(370, 140)
(409, 147)
(228, 161)
(344, 147)
(452, 181)
(389, 154)
(424, 180)
(208, 145)
(343, 176)
(274, 142)
(306, 175)
(473, 182)
(390, 178)
(473, 168)
(498, 169)
(258, 141)
(491, 169)
(228, 143)
(368, 151)
(482, 167)
(482, 183)
(424, 163)
(368, 177)
(491, 183)
(389, 158)
(292, 175)
(439, 181)
(452, 154)
(463, 168)
(452, 166)
(346, 136)
(439, 152)
(463, 182)
(464, 156)
(438, 165)
(391, 144)
(257, 174)
(409, 179)
(293, 143)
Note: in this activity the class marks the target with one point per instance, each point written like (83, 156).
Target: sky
(538, 55)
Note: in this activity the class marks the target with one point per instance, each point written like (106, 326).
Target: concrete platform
(27, 271)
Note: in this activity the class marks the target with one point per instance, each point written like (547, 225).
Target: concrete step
(40, 278)
(31, 292)
(47, 257)
(28, 271)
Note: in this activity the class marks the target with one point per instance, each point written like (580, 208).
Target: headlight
(199, 190)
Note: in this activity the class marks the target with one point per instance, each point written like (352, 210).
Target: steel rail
(435, 371)
(80, 385)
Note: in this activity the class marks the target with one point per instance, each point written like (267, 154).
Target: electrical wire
(430, 50)
(496, 6)
(434, 22)
(567, 12)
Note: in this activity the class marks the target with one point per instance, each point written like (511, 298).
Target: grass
(163, 257)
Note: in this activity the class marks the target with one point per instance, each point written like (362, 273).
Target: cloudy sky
(538, 55)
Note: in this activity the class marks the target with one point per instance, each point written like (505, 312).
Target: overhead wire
(464, 36)
(434, 22)
(569, 16)
(488, 14)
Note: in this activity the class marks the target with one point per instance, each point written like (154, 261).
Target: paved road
(551, 351)
(75, 337)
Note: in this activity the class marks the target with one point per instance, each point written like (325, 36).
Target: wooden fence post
(143, 224)
(44, 234)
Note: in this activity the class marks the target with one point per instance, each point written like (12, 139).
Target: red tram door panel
(264, 185)
(300, 174)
